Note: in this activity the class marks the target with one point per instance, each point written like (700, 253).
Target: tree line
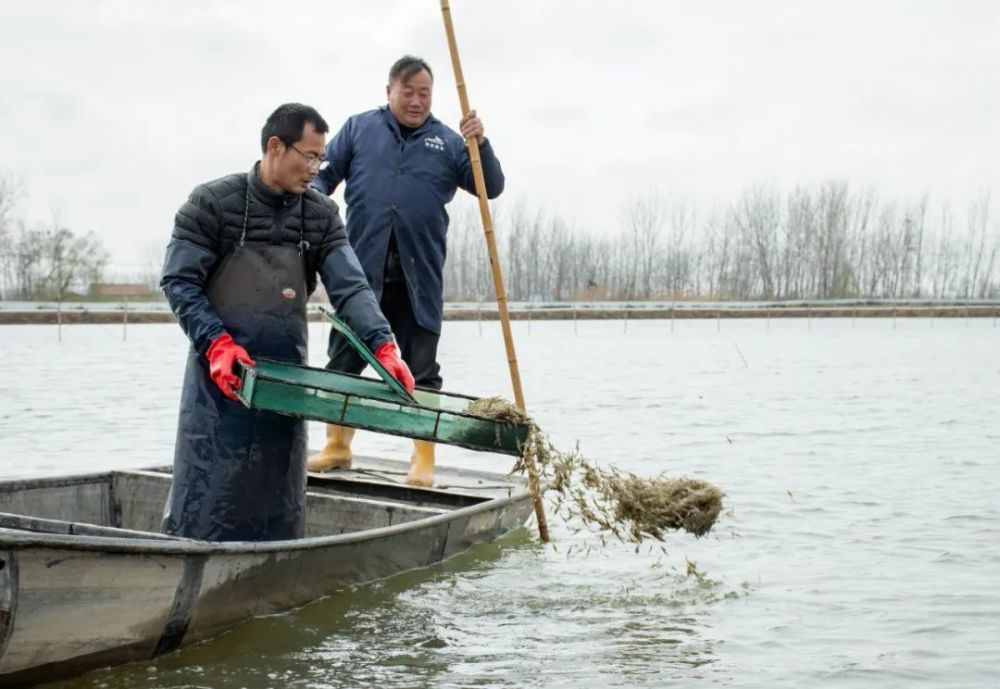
(827, 241)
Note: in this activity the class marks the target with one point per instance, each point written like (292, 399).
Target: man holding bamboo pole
(402, 166)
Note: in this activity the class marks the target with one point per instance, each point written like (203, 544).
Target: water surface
(860, 548)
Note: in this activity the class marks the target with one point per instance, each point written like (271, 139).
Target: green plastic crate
(379, 405)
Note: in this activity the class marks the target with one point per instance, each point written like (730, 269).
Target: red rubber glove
(222, 356)
(388, 356)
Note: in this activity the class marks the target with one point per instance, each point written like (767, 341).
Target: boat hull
(72, 602)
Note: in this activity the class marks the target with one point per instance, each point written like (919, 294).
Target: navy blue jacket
(401, 186)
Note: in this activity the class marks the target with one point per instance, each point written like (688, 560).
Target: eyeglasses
(315, 162)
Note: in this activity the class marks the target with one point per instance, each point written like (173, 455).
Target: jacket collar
(394, 124)
(261, 191)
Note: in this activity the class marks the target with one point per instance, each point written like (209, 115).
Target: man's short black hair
(288, 123)
(406, 67)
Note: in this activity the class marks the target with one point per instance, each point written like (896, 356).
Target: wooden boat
(87, 581)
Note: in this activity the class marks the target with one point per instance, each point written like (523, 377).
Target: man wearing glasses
(244, 257)
(402, 167)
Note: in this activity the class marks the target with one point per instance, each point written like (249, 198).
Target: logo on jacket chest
(288, 293)
(434, 143)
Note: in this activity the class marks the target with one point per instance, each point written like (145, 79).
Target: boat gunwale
(185, 546)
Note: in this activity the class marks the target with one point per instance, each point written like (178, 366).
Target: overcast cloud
(111, 111)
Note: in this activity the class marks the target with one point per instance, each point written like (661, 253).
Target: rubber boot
(421, 464)
(337, 453)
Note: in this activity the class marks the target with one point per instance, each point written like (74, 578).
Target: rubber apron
(239, 474)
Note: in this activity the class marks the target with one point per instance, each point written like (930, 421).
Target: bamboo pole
(491, 245)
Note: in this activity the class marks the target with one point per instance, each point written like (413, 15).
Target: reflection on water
(463, 623)
(859, 547)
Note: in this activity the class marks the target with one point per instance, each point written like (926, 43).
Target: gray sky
(112, 110)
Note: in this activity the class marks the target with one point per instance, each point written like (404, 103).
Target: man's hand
(222, 356)
(471, 126)
(388, 355)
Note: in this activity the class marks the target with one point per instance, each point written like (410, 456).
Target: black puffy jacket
(210, 224)
(198, 220)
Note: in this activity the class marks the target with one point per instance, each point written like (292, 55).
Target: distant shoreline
(563, 312)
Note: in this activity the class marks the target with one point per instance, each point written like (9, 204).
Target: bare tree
(982, 249)
(11, 192)
(644, 218)
(757, 219)
(66, 260)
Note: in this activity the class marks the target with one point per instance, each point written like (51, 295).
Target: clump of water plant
(629, 507)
